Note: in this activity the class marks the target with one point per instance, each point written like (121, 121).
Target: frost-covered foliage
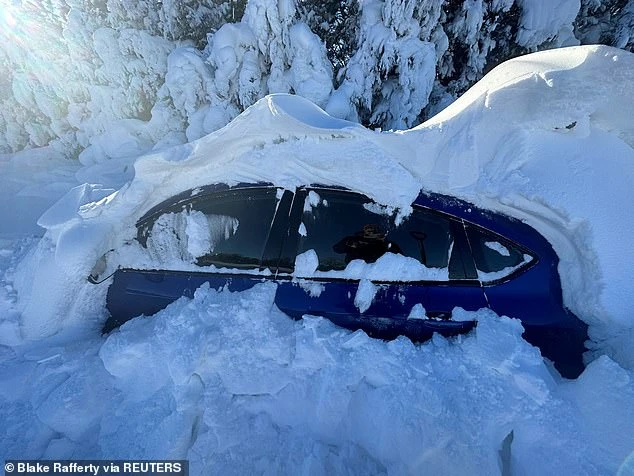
(475, 33)
(389, 79)
(336, 23)
(74, 71)
(74, 74)
(608, 22)
(269, 51)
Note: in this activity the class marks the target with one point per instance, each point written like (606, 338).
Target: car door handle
(443, 315)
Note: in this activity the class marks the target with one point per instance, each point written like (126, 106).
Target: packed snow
(230, 383)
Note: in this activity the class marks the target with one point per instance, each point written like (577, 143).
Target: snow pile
(205, 381)
(549, 138)
(389, 267)
(528, 140)
(525, 140)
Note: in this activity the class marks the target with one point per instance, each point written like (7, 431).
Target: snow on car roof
(544, 138)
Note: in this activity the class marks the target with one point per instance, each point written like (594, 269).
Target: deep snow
(228, 382)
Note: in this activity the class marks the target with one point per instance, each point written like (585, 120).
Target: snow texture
(198, 381)
(230, 383)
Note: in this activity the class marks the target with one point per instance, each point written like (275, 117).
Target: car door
(227, 238)
(354, 262)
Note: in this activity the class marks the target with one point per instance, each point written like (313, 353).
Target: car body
(328, 247)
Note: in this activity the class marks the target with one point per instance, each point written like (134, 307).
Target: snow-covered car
(337, 254)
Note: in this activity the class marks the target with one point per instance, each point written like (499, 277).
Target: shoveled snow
(204, 380)
(230, 383)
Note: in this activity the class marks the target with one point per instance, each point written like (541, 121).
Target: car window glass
(342, 227)
(494, 256)
(426, 237)
(333, 224)
(225, 229)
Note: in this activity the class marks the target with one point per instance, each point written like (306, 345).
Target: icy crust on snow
(203, 380)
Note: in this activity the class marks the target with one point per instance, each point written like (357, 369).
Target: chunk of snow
(497, 246)
(313, 288)
(417, 312)
(365, 295)
(312, 200)
(306, 263)
(389, 267)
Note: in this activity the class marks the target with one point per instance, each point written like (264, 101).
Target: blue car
(320, 244)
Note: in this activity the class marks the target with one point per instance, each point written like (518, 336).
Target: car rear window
(495, 257)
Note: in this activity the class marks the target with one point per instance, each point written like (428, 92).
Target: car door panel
(387, 315)
(138, 291)
(145, 292)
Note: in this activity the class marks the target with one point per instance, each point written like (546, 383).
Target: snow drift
(549, 139)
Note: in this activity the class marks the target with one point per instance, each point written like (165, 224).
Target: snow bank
(205, 381)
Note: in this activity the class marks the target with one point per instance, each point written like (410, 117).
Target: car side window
(495, 257)
(226, 229)
(342, 227)
(426, 237)
(337, 226)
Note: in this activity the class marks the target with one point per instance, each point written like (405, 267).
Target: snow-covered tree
(165, 71)
(387, 82)
(175, 20)
(609, 22)
(336, 22)
(269, 51)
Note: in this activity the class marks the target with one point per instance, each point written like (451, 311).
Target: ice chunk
(306, 263)
(417, 312)
(365, 295)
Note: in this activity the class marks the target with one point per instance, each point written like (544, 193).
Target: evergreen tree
(607, 22)
(167, 71)
(336, 22)
(387, 82)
